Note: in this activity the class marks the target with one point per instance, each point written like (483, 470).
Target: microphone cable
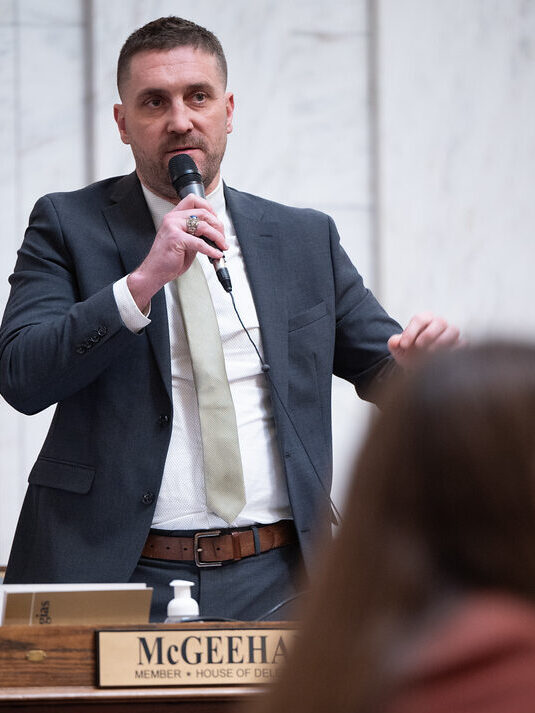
(266, 369)
(281, 604)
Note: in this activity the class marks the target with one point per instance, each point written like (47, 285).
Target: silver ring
(191, 224)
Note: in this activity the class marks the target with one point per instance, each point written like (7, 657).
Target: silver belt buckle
(197, 550)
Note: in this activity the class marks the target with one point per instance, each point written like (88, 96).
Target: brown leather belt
(210, 548)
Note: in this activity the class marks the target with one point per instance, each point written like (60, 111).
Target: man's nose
(179, 119)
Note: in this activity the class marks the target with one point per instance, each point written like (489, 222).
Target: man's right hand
(174, 249)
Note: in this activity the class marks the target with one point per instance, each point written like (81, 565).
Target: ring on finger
(191, 224)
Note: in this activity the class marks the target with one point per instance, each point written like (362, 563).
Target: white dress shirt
(181, 503)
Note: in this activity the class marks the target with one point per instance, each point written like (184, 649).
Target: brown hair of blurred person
(442, 505)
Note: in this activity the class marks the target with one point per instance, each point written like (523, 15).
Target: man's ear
(119, 116)
(229, 102)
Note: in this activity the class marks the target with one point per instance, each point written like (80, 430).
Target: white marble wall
(456, 115)
(42, 146)
(429, 183)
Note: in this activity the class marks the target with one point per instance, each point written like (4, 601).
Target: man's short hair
(166, 33)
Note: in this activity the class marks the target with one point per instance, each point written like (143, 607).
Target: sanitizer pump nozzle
(182, 606)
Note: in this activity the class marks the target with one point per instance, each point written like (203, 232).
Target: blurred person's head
(442, 503)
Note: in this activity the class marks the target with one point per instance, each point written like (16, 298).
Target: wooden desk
(64, 679)
(85, 699)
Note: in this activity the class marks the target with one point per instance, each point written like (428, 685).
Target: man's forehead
(187, 63)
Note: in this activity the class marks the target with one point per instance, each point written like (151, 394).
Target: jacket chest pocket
(309, 316)
(308, 344)
(52, 473)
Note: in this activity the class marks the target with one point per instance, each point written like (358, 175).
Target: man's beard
(155, 174)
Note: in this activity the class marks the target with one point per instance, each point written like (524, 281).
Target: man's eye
(154, 103)
(199, 97)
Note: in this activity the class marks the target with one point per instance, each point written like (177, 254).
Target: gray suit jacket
(93, 489)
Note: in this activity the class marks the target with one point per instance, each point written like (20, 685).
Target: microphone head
(185, 175)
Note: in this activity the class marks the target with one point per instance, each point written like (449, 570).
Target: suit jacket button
(102, 331)
(95, 337)
(163, 419)
(148, 498)
(80, 349)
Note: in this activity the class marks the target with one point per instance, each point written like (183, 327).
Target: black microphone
(186, 179)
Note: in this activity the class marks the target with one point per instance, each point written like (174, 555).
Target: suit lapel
(262, 249)
(132, 228)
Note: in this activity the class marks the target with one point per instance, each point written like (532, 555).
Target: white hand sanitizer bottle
(183, 605)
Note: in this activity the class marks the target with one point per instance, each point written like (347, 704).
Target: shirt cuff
(130, 313)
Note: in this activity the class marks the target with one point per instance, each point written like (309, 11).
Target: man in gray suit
(95, 324)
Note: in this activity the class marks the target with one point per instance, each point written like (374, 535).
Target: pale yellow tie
(223, 474)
